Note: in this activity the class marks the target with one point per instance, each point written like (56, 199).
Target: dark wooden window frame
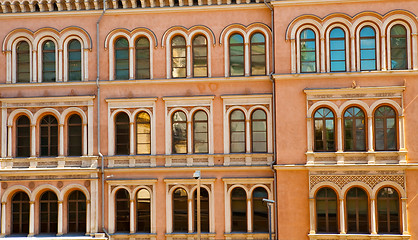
(122, 216)
(327, 199)
(23, 131)
(385, 129)
(72, 61)
(148, 60)
(176, 226)
(51, 223)
(389, 226)
(49, 125)
(253, 131)
(18, 63)
(354, 129)
(194, 58)
(172, 127)
(116, 60)
(21, 221)
(173, 47)
(229, 52)
(406, 45)
(194, 129)
(253, 54)
(118, 135)
(230, 129)
(323, 130)
(71, 133)
(139, 213)
(345, 49)
(357, 211)
(301, 51)
(139, 134)
(361, 48)
(80, 224)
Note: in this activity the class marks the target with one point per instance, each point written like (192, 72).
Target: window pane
(23, 62)
(121, 59)
(179, 132)
(180, 211)
(200, 61)
(398, 49)
(48, 62)
(122, 140)
(236, 55)
(238, 210)
(367, 49)
(74, 60)
(74, 135)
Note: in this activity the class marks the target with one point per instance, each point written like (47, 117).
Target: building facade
(109, 107)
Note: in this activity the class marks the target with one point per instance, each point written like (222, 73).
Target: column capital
(3, 203)
(60, 202)
(31, 202)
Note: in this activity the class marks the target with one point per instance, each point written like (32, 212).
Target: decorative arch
(72, 110)
(358, 103)
(72, 187)
(333, 186)
(17, 113)
(43, 188)
(7, 195)
(388, 102)
(350, 185)
(45, 111)
(327, 104)
(396, 186)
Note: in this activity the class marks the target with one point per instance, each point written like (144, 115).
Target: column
(370, 133)
(9, 141)
(188, 62)
(312, 215)
(247, 59)
(190, 215)
(32, 219)
(3, 130)
(322, 50)
(132, 216)
(59, 60)
(249, 216)
(34, 67)
(383, 57)
(342, 216)
(404, 217)
(247, 136)
(373, 215)
(309, 133)
(353, 54)
(132, 138)
(131, 63)
(293, 55)
(401, 133)
(189, 137)
(59, 233)
(88, 217)
(414, 50)
(61, 141)
(90, 137)
(339, 134)
(3, 218)
(9, 67)
(84, 139)
(32, 141)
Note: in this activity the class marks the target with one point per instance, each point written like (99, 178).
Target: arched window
(388, 211)
(23, 136)
(179, 132)
(49, 136)
(122, 211)
(204, 210)
(121, 59)
(23, 62)
(20, 213)
(200, 56)
(326, 211)
(48, 212)
(258, 54)
(236, 55)
(178, 57)
(74, 60)
(238, 210)
(324, 127)
(143, 211)
(180, 213)
(200, 132)
(75, 138)
(260, 210)
(142, 54)
(398, 52)
(367, 49)
(122, 134)
(77, 212)
(354, 130)
(259, 131)
(48, 62)
(307, 51)
(385, 129)
(357, 207)
(143, 133)
(337, 50)
(237, 131)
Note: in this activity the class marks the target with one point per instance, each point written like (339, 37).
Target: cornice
(59, 99)
(346, 167)
(332, 75)
(318, 2)
(334, 91)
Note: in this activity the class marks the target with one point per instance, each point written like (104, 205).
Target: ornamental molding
(355, 93)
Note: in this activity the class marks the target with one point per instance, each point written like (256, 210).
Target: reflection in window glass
(122, 134)
(142, 60)
(178, 57)
(200, 56)
(388, 211)
(398, 53)
(20, 213)
(307, 51)
(200, 132)
(48, 212)
(357, 207)
(179, 132)
(23, 62)
(385, 129)
(74, 60)
(238, 210)
(324, 130)
(236, 55)
(143, 211)
(74, 135)
(122, 211)
(367, 49)
(77, 212)
(337, 50)
(23, 136)
(237, 132)
(48, 62)
(204, 210)
(49, 136)
(180, 213)
(326, 211)
(354, 130)
(259, 131)
(260, 210)
(258, 54)
(121, 59)
(143, 133)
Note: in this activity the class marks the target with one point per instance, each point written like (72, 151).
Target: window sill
(359, 236)
(183, 236)
(244, 235)
(48, 162)
(341, 158)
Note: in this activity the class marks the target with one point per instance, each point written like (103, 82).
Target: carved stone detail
(4, 185)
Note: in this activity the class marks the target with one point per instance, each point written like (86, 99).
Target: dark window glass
(200, 56)
(23, 136)
(258, 54)
(48, 62)
(388, 211)
(143, 133)
(75, 139)
(121, 59)
(357, 207)
(142, 58)
(20, 213)
(74, 60)
(237, 131)
(122, 211)
(236, 55)
(122, 134)
(324, 128)
(179, 132)
(180, 213)
(48, 212)
(307, 51)
(23, 62)
(143, 211)
(238, 210)
(337, 50)
(385, 129)
(260, 210)
(204, 210)
(49, 136)
(367, 49)
(326, 211)
(178, 57)
(398, 52)
(354, 130)
(200, 132)
(77, 212)
(259, 131)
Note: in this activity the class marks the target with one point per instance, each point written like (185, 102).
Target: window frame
(330, 50)
(299, 51)
(376, 46)
(399, 211)
(323, 119)
(20, 212)
(327, 212)
(69, 134)
(194, 130)
(118, 216)
(243, 53)
(357, 211)
(172, 122)
(366, 140)
(16, 72)
(251, 53)
(48, 212)
(138, 134)
(230, 121)
(174, 213)
(119, 38)
(116, 134)
(172, 47)
(252, 141)
(136, 56)
(407, 43)
(385, 129)
(49, 126)
(18, 126)
(68, 61)
(232, 212)
(137, 211)
(77, 202)
(41, 60)
(193, 46)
